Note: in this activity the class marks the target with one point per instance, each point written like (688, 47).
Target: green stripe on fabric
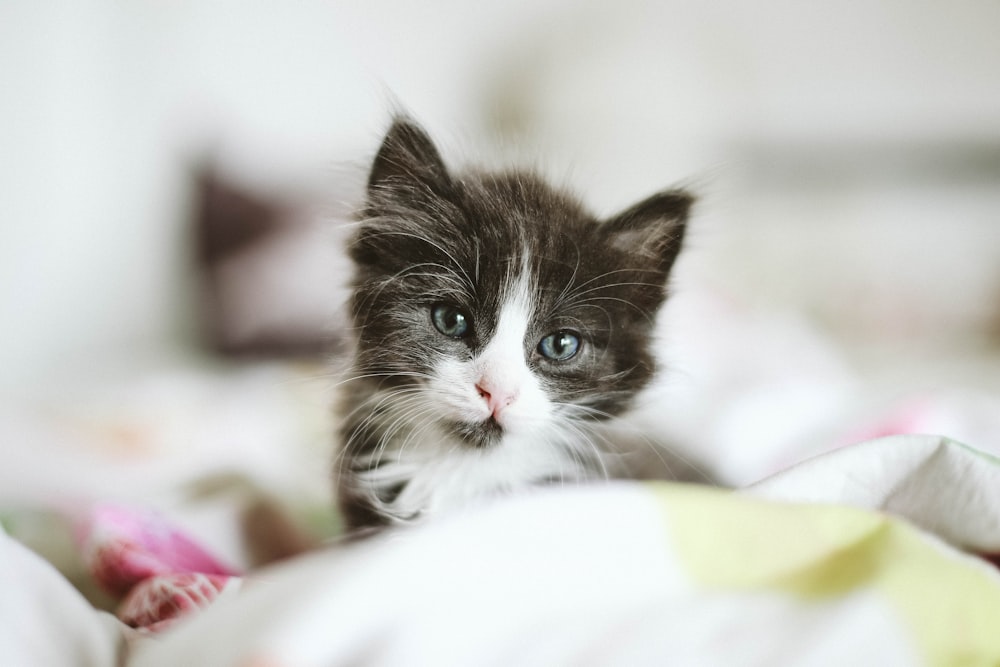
(985, 456)
(727, 541)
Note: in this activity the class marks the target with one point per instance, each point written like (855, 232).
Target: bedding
(142, 513)
(877, 552)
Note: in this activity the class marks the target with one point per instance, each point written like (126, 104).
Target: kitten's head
(498, 306)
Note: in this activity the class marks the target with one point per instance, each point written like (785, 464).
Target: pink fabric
(156, 603)
(910, 417)
(161, 573)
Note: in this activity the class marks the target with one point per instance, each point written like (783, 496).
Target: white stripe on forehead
(516, 307)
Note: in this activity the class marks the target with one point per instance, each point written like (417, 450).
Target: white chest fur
(441, 473)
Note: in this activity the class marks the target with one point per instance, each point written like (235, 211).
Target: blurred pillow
(272, 273)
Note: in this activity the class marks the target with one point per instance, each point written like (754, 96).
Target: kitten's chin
(481, 435)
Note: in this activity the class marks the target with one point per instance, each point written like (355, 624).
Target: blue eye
(559, 346)
(450, 321)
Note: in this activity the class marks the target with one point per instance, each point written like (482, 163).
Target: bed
(881, 550)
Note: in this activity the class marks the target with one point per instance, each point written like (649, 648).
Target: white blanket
(790, 571)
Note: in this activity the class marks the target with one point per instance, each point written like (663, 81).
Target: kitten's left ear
(653, 229)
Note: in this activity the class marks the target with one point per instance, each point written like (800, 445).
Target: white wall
(104, 104)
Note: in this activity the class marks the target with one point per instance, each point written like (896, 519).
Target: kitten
(498, 325)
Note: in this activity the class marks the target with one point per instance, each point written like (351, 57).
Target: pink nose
(496, 399)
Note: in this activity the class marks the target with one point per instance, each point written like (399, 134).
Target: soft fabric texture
(646, 574)
(786, 572)
(44, 621)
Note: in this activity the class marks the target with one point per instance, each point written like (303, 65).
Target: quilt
(882, 552)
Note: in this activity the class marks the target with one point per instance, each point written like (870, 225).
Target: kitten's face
(494, 312)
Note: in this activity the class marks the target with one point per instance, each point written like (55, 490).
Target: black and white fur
(470, 291)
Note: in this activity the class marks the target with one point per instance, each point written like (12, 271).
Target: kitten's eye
(450, 321)
(559, 346)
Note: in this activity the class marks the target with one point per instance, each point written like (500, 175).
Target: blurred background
(173, 176)
(848, 158)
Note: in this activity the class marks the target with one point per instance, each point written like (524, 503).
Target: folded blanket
(653, 573)
(44, 621)
(785, 572)
(648, 574)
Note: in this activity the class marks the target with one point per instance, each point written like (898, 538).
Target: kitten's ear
(653, 229)
(407, 161)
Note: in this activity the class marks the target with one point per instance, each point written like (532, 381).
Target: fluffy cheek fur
(397, 345)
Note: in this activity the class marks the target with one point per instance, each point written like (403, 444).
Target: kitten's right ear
(407, 163)
(652, 230)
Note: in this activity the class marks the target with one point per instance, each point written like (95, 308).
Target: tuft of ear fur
(407, 163)
(653, 229)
